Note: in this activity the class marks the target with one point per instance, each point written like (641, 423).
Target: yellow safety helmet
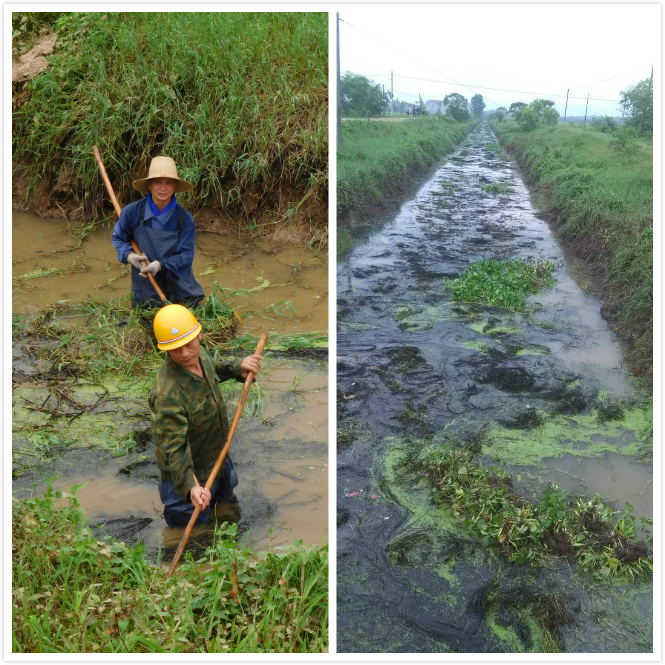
(174, 326)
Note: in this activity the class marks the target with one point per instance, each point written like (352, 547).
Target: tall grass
(74, 593)
(375, 159)
(599, 189)
(238, 99)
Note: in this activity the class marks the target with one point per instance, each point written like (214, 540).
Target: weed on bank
(376, 159)
(239, 99)
(74, 593)
(599, 189)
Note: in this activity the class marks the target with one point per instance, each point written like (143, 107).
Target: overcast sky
(539, 50)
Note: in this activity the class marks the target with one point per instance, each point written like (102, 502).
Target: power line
(486, 87)
(473, 87)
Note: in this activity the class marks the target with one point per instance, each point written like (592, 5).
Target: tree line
(636, 104)
(363, 98)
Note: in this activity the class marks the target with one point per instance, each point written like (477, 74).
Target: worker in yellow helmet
(189, 419)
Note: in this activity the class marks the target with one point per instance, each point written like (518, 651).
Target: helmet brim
(181, 341)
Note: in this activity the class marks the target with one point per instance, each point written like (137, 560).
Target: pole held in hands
(118, 208)
(220, 458)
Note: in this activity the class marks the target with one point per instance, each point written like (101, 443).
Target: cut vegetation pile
(501, 283)
(601, 539)
(238, 99)
(377, 160)
(598, 188)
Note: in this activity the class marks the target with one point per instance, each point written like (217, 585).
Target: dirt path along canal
(541, 396)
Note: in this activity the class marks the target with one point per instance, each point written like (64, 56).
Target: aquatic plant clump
(501, 283)
(601, 539)
(74, 593)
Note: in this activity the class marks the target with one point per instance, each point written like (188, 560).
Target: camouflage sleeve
(229, 369)
(172, 450)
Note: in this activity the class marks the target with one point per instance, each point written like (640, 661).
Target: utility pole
(565, 113)
(392, 96)
(339, 91)
(586, 109)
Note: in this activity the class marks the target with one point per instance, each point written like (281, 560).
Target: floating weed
(501, 283)
(352, 325)
(493, 327)
(580, 435)
(38, 272)
(600, 538)
(475, 345)
(497, 188)
(533, 351)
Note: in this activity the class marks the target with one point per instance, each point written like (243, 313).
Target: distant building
(434, 107)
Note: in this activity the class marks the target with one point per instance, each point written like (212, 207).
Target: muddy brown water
(415, 368)
(280, 456)
(281, 453)
(49, 265)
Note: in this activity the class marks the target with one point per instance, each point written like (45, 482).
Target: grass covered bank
(73, 593)
(598, 190)
(238, 99)
(376, 160)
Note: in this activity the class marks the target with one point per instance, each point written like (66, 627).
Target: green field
(376, 159)
(598, 189)
(240, 100)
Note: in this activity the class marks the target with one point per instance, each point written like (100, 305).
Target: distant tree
(549, 116)
(637, 103)
(362, 97)
(526, 118)
(457, 107)
(605, 124)
(477, 105)
(421, 105)
(540, 106)
(500, 113)
(514, 108)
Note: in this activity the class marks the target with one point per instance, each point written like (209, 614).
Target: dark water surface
(411, 363)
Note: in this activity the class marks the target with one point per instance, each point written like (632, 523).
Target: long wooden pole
(220, 458)
(118, 208)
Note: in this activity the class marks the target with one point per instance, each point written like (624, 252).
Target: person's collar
(155, 210)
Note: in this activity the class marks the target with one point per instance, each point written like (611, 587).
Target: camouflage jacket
(189, 420)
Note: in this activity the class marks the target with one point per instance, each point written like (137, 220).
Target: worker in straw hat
(189, 420)
(164, 232)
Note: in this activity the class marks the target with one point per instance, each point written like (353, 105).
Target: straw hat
(162, 167)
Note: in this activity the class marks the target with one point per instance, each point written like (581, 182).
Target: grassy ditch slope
(598, 189)
(240, 100)
(376, 160)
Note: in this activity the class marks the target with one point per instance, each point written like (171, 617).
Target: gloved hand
(154, 267)
(135, 259)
